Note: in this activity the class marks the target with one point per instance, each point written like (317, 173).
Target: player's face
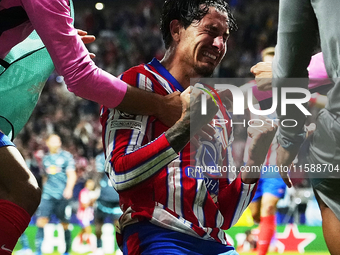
(203, 44)
(90, 184)
(53, 143)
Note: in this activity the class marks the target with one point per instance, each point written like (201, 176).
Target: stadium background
(128, 34)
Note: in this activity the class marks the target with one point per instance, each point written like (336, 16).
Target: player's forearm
(97, 177)
(317, 75)
(141, 102)
(71, 180)
(179, 134)
(251, 173)
(141, 164)
(262, 138)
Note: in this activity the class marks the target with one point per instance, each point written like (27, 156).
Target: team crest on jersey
(53, 169)
(126, 115)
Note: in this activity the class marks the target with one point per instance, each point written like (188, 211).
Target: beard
(204, 71)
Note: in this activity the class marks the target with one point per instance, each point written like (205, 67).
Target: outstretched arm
(285, 158)
(234, 197)
(263, 75)
(140, 102)
(82, 76)
(262, 134)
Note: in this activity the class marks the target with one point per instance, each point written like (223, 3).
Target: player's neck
(177, 69)
(54, 151)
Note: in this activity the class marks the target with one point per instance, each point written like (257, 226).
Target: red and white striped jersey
(85, 212)
(155, 183)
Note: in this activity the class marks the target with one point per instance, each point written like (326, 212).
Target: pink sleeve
(317, 77)
(261, 95)
(51, 19)
(317, 72)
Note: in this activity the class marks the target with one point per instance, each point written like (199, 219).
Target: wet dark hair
(188, 11)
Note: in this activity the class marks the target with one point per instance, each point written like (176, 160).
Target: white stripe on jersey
(137, 136)
(126, 219)
(139, 174)
(243, 202)
(222, 236)
(200, 196)
(161, 80)
(144, 82)
(162, 218)
(175, 187)
(109, 141)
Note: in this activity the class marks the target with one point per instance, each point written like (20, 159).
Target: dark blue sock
(99, 242)
(68, 240)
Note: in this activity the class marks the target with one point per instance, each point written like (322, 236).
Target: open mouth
(209, 55)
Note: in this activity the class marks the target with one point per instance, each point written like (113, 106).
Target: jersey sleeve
(52, 21)
(70, 163)
(234, 197)
(317, 72)
(132, 155)
(127, 170)
(318, 79)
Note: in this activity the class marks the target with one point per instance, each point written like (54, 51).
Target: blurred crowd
(128, 34)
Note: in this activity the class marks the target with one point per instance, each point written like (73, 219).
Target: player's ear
(175, 28)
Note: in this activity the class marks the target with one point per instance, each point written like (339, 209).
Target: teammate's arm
(262, 137)
(71, 177)
(263, 74)
(165, 108)
(81, 75)
(231, 205)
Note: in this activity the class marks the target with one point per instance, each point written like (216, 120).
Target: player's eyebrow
(211, 27)
(214, 28)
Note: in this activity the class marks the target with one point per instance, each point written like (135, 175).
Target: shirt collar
(165, 73)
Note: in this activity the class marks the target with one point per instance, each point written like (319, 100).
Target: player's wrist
(289, 143)
(179, 134)
(251, 171)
